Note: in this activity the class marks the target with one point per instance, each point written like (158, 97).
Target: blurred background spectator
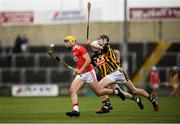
(21, 44)
(155, 80)
(17, 45)
(174, 80)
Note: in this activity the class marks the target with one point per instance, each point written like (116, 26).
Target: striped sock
(115, 91)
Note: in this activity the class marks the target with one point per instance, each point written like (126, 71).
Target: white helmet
(94, 43)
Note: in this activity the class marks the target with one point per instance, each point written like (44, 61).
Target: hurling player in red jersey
(85, 74)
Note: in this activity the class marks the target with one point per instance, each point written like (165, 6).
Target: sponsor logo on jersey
(100, 62)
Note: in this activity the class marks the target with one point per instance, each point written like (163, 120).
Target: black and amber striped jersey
(110, 58)
(105, 60)
(98, 61)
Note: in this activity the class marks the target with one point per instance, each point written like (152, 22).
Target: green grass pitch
(52, 110)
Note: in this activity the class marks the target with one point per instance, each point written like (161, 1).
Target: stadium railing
(23, 65)
(40, 68)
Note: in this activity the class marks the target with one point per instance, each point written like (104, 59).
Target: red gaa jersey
(154, 77)
(78, 52)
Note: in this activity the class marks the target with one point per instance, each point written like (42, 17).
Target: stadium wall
(41, 35)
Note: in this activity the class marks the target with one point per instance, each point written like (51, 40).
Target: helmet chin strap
(73, 46)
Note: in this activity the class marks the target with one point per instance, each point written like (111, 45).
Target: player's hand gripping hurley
(54, 55)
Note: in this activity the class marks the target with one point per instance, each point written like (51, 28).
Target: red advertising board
(16, 18)
(154, 13)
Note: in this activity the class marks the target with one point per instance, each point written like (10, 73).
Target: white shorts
(118, 76)
(88, 77)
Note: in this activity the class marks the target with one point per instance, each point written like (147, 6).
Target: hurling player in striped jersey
(101, 72)
(115, 73)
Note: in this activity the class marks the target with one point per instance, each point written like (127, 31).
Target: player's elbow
(88, 60)
(117, 52)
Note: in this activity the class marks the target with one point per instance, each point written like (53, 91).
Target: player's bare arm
(118, 54)
(86, 63)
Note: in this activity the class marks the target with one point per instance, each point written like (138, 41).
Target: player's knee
(101, 85)
(98, 93)
(72, 90)
(134, 91)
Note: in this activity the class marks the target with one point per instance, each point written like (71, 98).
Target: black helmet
(104, 37)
